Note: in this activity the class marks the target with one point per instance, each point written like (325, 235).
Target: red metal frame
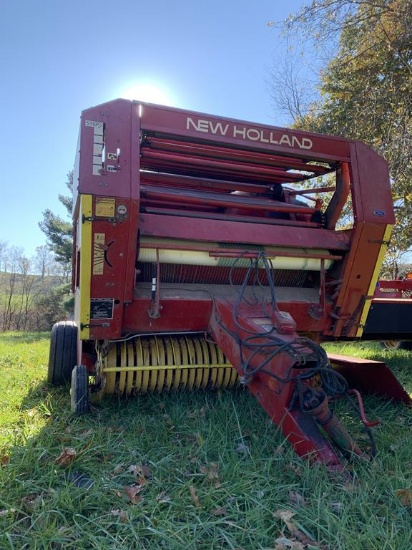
(198, 183)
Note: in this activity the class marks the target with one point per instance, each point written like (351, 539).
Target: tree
(365, 87)
(58, 231)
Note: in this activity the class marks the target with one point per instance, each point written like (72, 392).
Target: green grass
(187, 471)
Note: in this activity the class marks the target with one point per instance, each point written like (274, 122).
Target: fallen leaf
(195, 498)
(140, 470)
(163, 498)
(296, 498)
(212, 473)
(132, 492)
(285, 516)
(4, 459)
(404, 496)
(242, 448)
(282, 543)
(66, 457)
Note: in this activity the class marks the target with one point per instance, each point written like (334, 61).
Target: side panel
(373, 220)
(108, 173)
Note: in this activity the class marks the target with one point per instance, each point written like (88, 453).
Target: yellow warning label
(98, 253)
(105, 207)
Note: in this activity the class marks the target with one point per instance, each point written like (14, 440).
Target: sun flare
(150, 93)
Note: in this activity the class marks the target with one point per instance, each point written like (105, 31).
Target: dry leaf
(132, 492)
(66, 457)
(404, 496)
(195, 498)
(296, 498)
(4, 459)
(212, 473)
(285, 516)
(282, 543)
(140, 470)
(163, 498)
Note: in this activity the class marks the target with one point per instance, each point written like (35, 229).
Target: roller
(165, 363)
(175, 251)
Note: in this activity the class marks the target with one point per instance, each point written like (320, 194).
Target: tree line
(35, 292)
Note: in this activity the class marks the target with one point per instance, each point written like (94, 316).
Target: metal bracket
(89, 325)
(98, 219)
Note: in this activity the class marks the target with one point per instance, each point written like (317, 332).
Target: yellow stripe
(374, 280)
(85, 237)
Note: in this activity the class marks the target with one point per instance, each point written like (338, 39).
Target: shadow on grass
(145, 472)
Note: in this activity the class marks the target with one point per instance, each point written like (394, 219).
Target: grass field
(187, 471)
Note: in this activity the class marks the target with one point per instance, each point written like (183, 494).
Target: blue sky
(59, 57)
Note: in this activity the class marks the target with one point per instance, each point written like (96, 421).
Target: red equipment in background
(203, 242)
(390, 316)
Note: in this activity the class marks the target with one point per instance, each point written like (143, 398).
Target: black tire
(63, 353)
(79, 393)
(393, 345)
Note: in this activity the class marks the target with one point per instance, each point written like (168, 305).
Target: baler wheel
(80, 390)
(393, 345)
(63, 352)
(164, 363)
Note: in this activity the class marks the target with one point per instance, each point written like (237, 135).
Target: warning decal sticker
(105, 207)
(101, 308)
(98, 253)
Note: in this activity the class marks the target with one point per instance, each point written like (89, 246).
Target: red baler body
(190, 223)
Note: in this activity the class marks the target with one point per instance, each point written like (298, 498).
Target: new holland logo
(237, 131)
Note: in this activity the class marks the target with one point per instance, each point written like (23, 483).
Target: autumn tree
(365, 86)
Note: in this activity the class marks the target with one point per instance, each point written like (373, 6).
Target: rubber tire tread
(79, 394)
(63, 352)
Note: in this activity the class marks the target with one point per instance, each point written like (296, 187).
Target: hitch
(291, 377)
